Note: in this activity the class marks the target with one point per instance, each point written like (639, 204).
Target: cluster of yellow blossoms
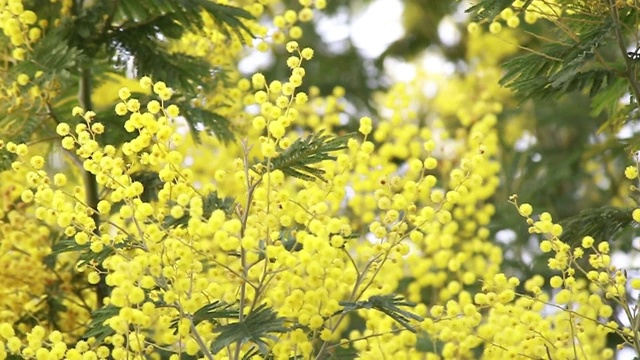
(404, 209)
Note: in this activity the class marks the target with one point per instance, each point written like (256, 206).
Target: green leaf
(564, 65)
(489, 9)
(97, 327)
(228, 17)
(601, 223)
(215, 310)
(86, 254)
(253, 352)
(608, 98)
(389, 305)
(183, 13)
(296, 160)
(52, 55)
(151, 182)
(18, 127)
(209, 120)
(143, 27)
(210, 312)
(259, 324)
(152, 57)
(66, 245)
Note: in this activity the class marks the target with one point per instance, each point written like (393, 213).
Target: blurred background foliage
(556, 153)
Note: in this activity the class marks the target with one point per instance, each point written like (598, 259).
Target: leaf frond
(601, 223)
(389, 305)
(297, 159)
(259, 325)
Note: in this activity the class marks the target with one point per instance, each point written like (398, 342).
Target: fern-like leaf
(389, 305)
(601, 223)
(564, 65)
(210, 312)
(259, 325)
(489, 9)
(16, 127)
(97, 327)
(297, 160)
(209, 120)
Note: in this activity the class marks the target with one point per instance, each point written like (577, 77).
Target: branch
(90, 183)
(630, 75)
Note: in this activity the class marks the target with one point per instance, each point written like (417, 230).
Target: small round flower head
(292, 46)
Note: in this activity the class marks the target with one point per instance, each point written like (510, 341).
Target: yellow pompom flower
(23, 79)
(258, 81)
(173, 111)
(307, 53)
(301, 98)
(631, 172)
(104, 207)
(587, 242)
(293, 62)
(305, 15)
(68, 143)
(259, 122)
(37, 162)
(495, 27)
(295, 32)
(153, 106)
(292, 46)
(563, 297)
(365, 125)
(93, 278)
(159, 87)
(27, 17)
(145, 82)
(121, 109)
(97, 128)
(63, 129)
(6, 331)
(546, 246)
(133, 105)
(60, 179)
(77, 110)
(525, 209)
(430, 163)
(473, 28)
(35, 34)
(556, 282)
(27, 196)
(124, 93)
(316, 322)
(276, 129)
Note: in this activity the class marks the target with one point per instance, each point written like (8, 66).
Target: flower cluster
(191, 247)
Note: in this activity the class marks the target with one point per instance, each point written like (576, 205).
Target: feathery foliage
(97, 327)
(389, 305)
(489, 9)
(258, 324)
(560, 67)
(210, 312)
(600, 223)
(297, 159)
